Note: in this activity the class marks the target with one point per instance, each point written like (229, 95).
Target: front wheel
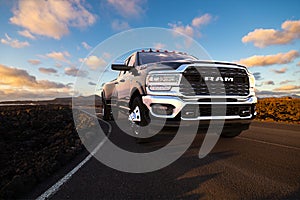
(231, 134)
(139, 116)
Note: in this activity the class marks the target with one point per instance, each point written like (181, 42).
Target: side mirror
(120, 67)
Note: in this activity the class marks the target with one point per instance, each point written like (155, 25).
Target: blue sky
(44, 42)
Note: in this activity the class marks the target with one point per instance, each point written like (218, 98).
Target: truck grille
(193, 83)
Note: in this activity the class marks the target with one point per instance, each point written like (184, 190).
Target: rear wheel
(106, 109)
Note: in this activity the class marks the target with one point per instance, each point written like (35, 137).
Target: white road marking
(55, 188)
(270, 143)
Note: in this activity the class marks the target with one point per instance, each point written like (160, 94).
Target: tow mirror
(120, 67)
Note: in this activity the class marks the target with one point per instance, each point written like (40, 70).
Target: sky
(44, 43)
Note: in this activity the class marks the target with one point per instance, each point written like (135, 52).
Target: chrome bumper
(179, 104)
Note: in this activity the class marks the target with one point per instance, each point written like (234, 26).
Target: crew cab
(157, 84)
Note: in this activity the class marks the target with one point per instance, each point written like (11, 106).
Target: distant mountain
(81, 100)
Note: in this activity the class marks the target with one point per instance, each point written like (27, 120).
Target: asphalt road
(262, 163)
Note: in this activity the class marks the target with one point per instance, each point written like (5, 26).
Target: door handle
(122, 80)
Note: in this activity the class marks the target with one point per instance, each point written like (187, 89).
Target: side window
(132, 61)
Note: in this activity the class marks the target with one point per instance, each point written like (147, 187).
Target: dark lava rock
(35, 141)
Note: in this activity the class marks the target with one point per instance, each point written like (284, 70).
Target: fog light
(245, 111)
(162, 109)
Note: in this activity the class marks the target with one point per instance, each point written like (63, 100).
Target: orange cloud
(287, 88)
(266, 37)
(14, 43)
(285, 82)
(268, 83)
(202, 20)
(93, 62)
(279, 71)
(19, 84)
(34, 62)
(280, 58)
(60, 56)
(19, 78)
(27, 34)
(51, 18)
(192, 29)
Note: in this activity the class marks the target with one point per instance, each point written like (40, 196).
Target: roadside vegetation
(284, 109)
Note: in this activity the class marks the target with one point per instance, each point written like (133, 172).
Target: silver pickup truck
(179, 87)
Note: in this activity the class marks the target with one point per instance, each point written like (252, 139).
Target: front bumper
(179, 104)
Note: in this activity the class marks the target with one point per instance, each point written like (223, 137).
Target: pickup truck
(178, 87)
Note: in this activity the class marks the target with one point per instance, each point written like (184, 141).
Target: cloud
(73, 71)
(202, 20)
(159, 45)
(93, 62)
(193, 29)
(92, 83)
(266, 93)
(268, 83)
(285, 82)
(279, 71)
(34, 62)
(128, 8)
(179, 27)
(119, 25)
(257, 76)
(85, 45)
(280, 58)
(15, 77)
(60, 56)
(13, 42)
(27, 34)
(47, 70)
(266, 37)
(58, 65)
(287, 88)
(51, 18)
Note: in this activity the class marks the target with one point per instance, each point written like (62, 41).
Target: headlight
(163, 82)
(166, 79)
(252, 81)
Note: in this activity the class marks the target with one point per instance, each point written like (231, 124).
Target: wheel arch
(135, 92)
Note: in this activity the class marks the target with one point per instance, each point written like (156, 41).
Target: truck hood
(167, 65)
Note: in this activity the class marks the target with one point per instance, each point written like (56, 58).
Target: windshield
(152, 57)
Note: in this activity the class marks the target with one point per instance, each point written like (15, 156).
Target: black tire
(140, 127)
(231, 134)
(107, 115)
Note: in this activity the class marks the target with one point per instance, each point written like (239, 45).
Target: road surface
(262, 163)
